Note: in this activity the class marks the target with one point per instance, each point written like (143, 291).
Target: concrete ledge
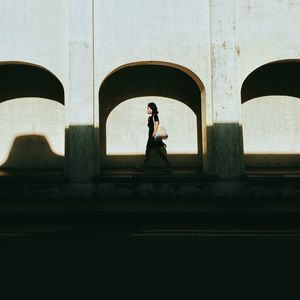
(261, 194)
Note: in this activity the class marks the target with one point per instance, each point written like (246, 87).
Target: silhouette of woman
(154, 144)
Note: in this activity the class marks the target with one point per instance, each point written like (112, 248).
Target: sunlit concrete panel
(151, 30)
(227, 137)
(171, 34)
(35, 31)
(266, 31)
(127, 131)
(32, 134)
(271, 131)
(80, 136)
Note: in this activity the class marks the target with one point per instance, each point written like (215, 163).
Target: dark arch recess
(278, 78)
(23, 80)
(148, 80)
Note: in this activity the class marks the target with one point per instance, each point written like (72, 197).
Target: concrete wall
(156, 33)
(267, 31)
(33, 33)
(216, 43)
(271, 131)
(152, 30)
(36, 32)
(32, 133)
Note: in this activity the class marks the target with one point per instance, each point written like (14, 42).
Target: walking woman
(154, 144)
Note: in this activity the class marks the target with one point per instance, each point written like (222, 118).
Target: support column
(80, 148)
(227, 132)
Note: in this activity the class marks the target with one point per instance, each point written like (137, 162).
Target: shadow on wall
(82, 149)
(272, 160)
(19, 80)
(32, 152)
(277, 78)
(227, 157)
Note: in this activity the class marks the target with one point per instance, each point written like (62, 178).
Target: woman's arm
(155, 128)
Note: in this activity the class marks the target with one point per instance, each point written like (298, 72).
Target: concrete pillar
(80, 146)
(227, 133)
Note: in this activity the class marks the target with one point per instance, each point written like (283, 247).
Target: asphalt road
(148, 261)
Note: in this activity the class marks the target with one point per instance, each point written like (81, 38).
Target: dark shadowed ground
(149, 255)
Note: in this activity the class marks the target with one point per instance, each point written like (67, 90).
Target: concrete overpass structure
(75, 77)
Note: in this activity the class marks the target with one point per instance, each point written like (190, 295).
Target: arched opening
(32, 120)
(126, 92)
(270, 114)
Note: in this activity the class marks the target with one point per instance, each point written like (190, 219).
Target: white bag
(161, 133)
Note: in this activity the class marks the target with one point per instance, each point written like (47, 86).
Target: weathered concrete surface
(217, 43)
(36, 32)
(155, 33)
(227, 136)
(80, 148)
(267, 32)
(32, 133)
(262, 118)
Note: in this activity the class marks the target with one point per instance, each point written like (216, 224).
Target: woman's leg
(147, 156)
(162, 152)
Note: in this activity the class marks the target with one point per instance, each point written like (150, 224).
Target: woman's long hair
(153, 107)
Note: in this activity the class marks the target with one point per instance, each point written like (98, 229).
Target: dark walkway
(150, 172)
(30, 173)
(133, 258)
(139, 248)
(198, 172)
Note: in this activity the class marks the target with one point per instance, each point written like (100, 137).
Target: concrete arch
(270, 109)
(152, 86)
(158, 79)
(32, 117)
(23, 79)
(273, 78)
